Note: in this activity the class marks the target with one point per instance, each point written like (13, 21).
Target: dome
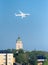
(19, 39)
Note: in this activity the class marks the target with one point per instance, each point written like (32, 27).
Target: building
(19, 44)
(6, 58)
(40, 60)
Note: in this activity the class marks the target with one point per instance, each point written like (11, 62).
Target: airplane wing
(21, 12)
(17, 14)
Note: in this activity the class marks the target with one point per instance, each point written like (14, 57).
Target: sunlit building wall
(19, 44)
(2, 59)
(6, 59)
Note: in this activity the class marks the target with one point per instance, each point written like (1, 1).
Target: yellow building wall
(13, 60)
(40, 63)
(2, 59)
(9, 60)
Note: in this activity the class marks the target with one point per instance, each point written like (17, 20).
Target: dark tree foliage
(26, 57)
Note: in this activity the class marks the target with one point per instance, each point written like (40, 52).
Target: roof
(5, 51)
(19, 39)
(41, 57)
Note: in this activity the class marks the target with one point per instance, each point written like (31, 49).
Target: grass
(45, 63)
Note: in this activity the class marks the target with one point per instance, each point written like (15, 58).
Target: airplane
(21, 14)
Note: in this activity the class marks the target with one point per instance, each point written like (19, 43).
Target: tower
(19, 44)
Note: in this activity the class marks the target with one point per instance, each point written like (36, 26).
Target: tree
(45, 63)
(21, 56)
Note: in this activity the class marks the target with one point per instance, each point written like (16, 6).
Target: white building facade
(6, 58)
(19, 44)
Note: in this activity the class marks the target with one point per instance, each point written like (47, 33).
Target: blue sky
(33, 29)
